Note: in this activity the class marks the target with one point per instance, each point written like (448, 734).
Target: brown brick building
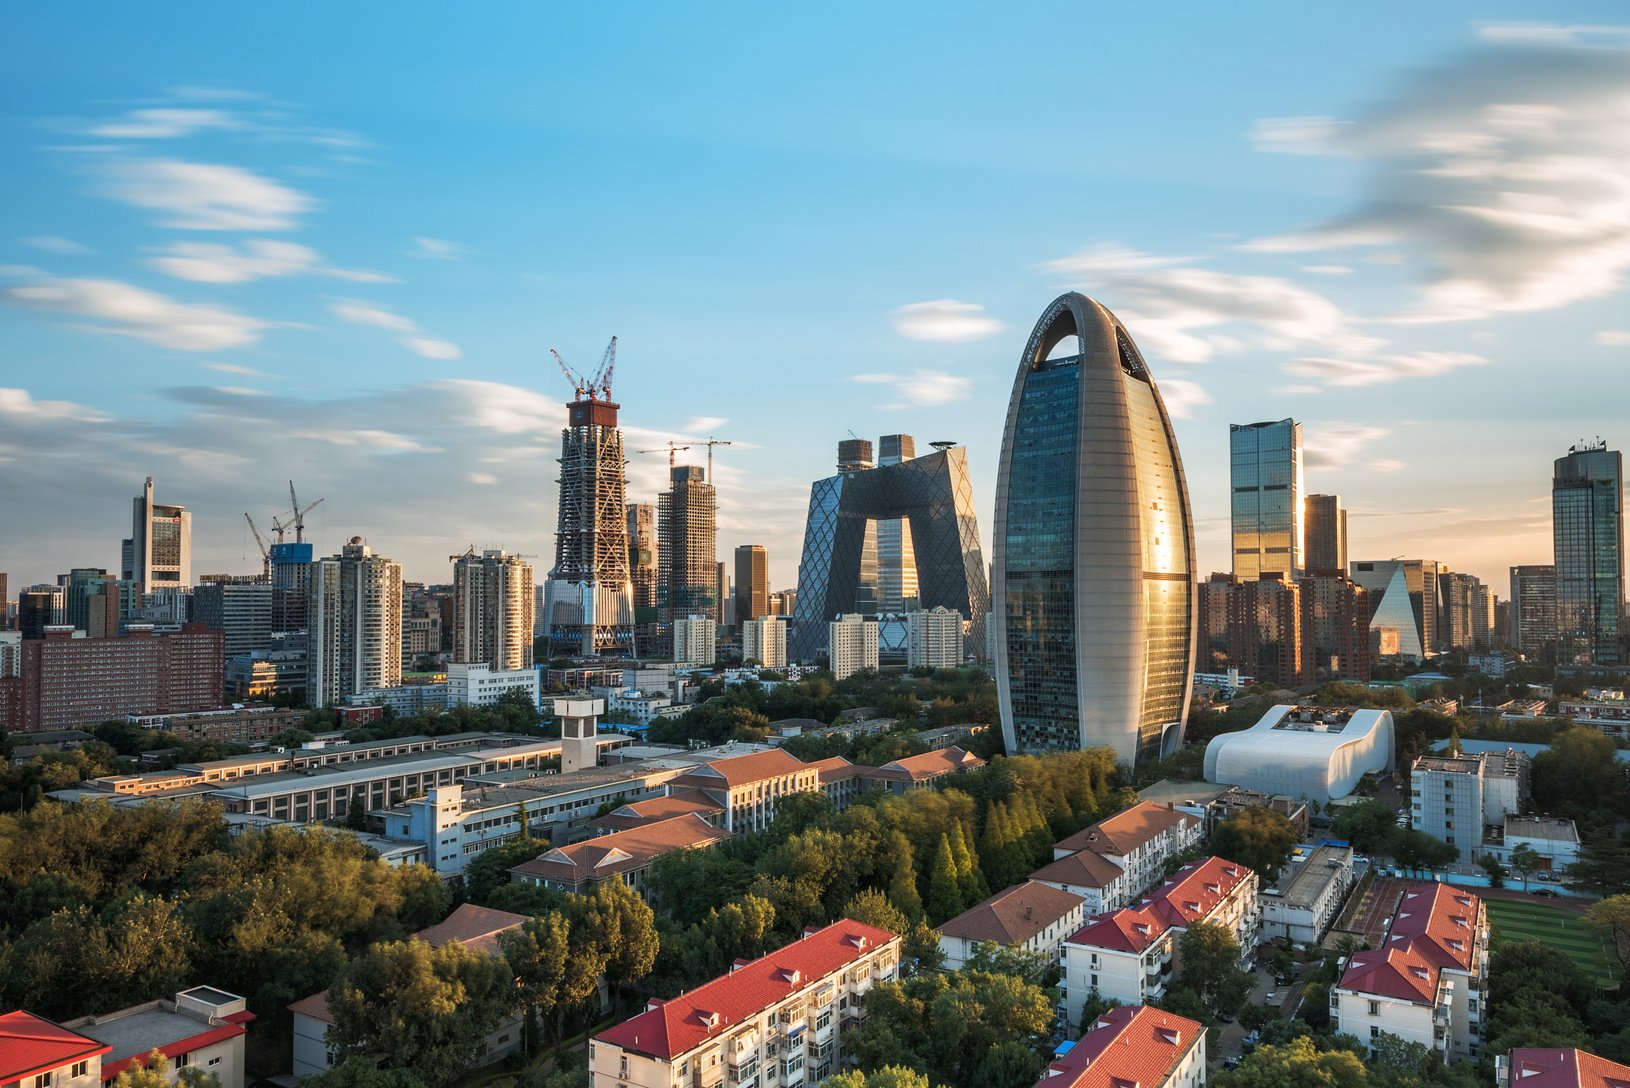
(70, 682)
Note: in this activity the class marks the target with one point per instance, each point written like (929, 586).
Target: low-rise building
(36, 1053)
(1133, 1046)
(1312, 888)
(919, 771)
(1310, 752)
(202, 1028)
(622, 855)
(1137, 841)
(779, 1019)
(483, 685)
(230, 725)
(1609, 713)
(1554, 841)
(657, 809)
(749, 787)
(1030, 916)
(1428, 981)
(1557, 1067)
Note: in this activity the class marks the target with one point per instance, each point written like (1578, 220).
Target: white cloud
(208, 262)
(944, 321)
(18, 407)
(1295, 135)
(483, 478)
(145, 315)
(162, 124)
(1387, 465)
(702, 424)
(234, 368)
(366, 313)
(1611, 37)
(432, 349)
(1614, 338)
(921, 388)
(1337, 445)
(1296, 390)
(1112, 257)
(65, 247)
(1382, 369)
(1327, 270)
(1182, 397)
(436, 249)
(206, 196)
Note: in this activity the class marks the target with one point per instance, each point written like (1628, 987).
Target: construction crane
(710, 443)
(265, 555)
(672, 448)
(299, 522)
(597, 387)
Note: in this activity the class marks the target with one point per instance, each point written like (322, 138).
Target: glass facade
(1587, 511)
(1265, 468)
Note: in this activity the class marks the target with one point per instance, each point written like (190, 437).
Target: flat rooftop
(1316, 872)
(1316, 719)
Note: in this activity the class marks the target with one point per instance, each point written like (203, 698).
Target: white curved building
(1312, 752)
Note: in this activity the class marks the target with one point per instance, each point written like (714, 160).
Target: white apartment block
(1453, 797)
(354, 615)
(1310, 894)
(1115, 860)
(851, 645)
(776, 1021)
(494, 610)
(696, 640)
(482, 685)
(1030, 916)
(1126, 956)
(934, 638)
(1428, 981)
(1133, 1047)
(765, 641)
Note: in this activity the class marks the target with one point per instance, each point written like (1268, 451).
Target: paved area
(1227, 1040)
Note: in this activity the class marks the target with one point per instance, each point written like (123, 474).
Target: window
(80, 1069)
(1375, 1031)
(183, 1060)
(214, 1061)
(1375, 1008)
(43, 1081)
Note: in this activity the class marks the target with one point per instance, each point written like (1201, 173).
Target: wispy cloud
(1382, 369)
(436, 249)
(1338, 445)
(207, 262)
(206, 196)
(163, 124)
(920, 388)
(1182, 397)
(365, 313)
(121, 308)
(1614, 338)
(62, 247)
(944, 321)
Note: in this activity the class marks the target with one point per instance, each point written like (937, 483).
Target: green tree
(1368, 825)
(1524, 860)
(874, 908)
(628, 928)
(1603, 867)
(1210, 957)
(1416, 851)
(890, 1076)
(153, 1071)
(902, 875)
(360, 1072)
(1258, 838)
(944, 895)
(970, 881)
(1611, 918)
(536, 953)
(1296, 1064)
(420, 1008)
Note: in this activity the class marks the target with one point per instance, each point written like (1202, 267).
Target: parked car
(1549, 893)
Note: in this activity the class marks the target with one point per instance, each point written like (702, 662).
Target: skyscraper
(687, 545)
(291, 583)
(492, 610)
(1405, 615)
(1326, 533)
(1533, 610)
(1094, 547)
(752, 582)
(355, 624)
(1265, 468)
(642, 559)
(1587, 523)
(158, 552)
(240, 607)
(896, 561)
(588, 601)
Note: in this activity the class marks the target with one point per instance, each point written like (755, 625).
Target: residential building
(1587, 514)
(724, 608)
(240, 607)
(934, 639)
(1313, 753)
(1335, 627)
(1127, 955)
(1031, 917)
(477, 928)
(36, 1053)
(291, 584)
(622, 855)
(202, 1028)
(493, 610)
(777, 1019)
(588, 600)
(1557, 1067)
(1452, 798)
(1136, 842)
(851, 644)
(840, 573)
(1404, 614)
(1133, 1047)
(687, 545)
(765, 640)
(1533, 611)
(696, 639)
(1094, 548)
(1265, 470)
(229, 725)
(1554, 842)
(481, 685)
(752, 582)
(1255, 627)
(1611, 715)
(920, 771)
(1461, 598)
(749, 787)
(1325, 522)
(1428, 981)
(354, 614)
(1312, 887)
(11, 680)
(158, 552)
(69, 681)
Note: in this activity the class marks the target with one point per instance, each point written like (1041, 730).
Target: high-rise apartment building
(1254, 626)
(643, 570)
(1405, 616)
(724, 608)
(588, 601)
(851, 644)
(1587, 522)
(1533, 610)
(355, 623)
(240, 607)
(1459, 597)
(934, 638)
(1265, 468)
(1094, 547)
(896, 558)
(39, 607)
(696, 640)
(752, 582)
(765, 640)
(687, 545)
(493, 610)
(1326, 533)
(1335, 628)
(158, 553)
(71, 682)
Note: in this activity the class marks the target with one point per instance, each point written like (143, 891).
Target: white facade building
(1554, 841)
(934, 638)
(1311, 890)
(1133, 1047)
(695, 640)
(354, 615)
(1029, 916)
(1315, 753)
(481, 685)
(851, 645)
(1453, 797)
(765, 640)
(1112, 862)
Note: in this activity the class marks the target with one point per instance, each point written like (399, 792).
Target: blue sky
(334, 243)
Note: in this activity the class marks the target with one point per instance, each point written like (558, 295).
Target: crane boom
(672, 448)
(710, 443)
(265, 555)
(571, 375)
(602, 377)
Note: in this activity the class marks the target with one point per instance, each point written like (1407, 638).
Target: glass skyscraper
(1587, 522)
(1094, 547)
(1265, 468)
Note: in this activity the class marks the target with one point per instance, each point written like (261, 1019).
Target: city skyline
(223, 274)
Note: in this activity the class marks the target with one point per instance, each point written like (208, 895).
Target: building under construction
(588, 605)
(642, 560)
(687, 545)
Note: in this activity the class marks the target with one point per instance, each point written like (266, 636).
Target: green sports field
(1561, 929)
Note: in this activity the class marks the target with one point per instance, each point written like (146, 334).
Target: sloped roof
(747, 769)
(1014, 915)
(1396, 970)
(1130, 929)
(315, 1006)
(477, 927)
(1565, 1067)
(1434, 927)
(622, 850)
(713, 1008)
(1124, 832)
(1194, 891)
(1131, 1046)
(928, 765)
(653, 809)
(1083, 869)
(30, 1045)
(834, 768)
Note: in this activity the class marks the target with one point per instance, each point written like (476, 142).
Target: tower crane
(672, 448)
(710, 443)
(299, 522)
(597, 387)
(265, 555)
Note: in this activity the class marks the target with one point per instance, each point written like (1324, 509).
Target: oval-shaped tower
(1093, 597)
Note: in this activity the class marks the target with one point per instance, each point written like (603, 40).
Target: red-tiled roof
(1124, 832)
(833, 768)
(1557, 1067)
(745, 770)
(928, 765)
(1397, 971)
(685, 1022)
(236, 1025)
(1082, 869)
(1131, 1046)
(651, 810)
(30, 1045)
(1013, 916)
(1434, 927)
(1194, 891)
(315, 1006)
(477, 927)
(622, 850)
(1130, 929)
